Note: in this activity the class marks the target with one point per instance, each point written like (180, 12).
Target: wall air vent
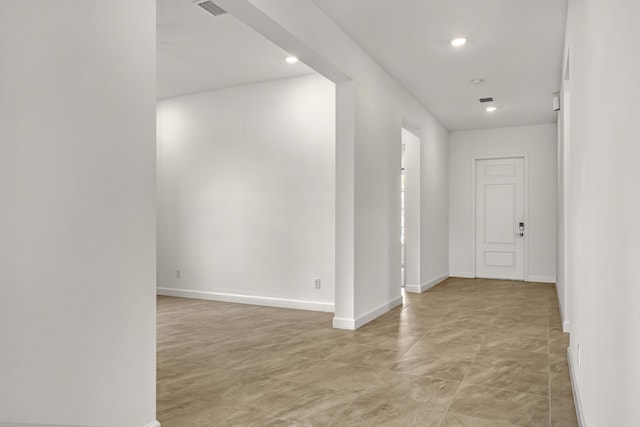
(489, 99)
(212, 8)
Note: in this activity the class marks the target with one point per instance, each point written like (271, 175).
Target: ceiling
(514, 45)
(198, 51)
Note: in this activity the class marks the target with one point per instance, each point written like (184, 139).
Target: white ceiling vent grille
(212, 8)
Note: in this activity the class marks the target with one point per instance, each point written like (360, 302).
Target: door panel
(499, 212)
(499, 259)
(499, 209)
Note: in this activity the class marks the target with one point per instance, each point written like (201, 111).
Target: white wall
(434, 206)
(77, 222)
(246, 193)
(562, 198)
(538, 144)
(372, 108)
(411, 211)
(603, 234)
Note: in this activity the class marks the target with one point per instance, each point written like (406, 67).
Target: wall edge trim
(565, 322)
(376, 312)
(430, 284)
(248, 299)
(462, 274)
(576, 392)
(344, 323)
(413, 289)
(540, 279)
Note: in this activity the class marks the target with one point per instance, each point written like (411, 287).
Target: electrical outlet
(317, 283)
(178, 273)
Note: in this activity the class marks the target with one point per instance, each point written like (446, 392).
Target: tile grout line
(444, 416)
(539, 396)
(274, 328)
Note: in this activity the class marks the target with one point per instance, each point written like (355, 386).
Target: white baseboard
(368, 317)
(530, 278)
(462, 274)
(353, 324)
(541, 279)
(420, 289)
(248, 299)
(566, 326)
(3, 424)
(576, 392)
(343, 323)
(413, 289)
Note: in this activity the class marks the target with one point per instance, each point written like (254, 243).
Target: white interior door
(500, 218)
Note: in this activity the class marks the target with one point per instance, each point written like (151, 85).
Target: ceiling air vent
(490, 99)
(212, 8)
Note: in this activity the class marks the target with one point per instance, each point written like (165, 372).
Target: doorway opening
(402, 228)
(410, 212)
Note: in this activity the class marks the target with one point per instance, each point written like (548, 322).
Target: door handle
(520, 234)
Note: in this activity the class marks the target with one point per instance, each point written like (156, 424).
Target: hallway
(465, 353)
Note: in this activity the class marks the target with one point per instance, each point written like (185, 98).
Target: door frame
(474, 163)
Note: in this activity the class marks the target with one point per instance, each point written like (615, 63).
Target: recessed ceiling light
(459, 41)
(491, 109)
(291, 59)
(477, 81)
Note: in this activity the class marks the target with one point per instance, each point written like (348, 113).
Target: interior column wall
(411, 145)
(380, 108)
(434, 205)
(77, 222)
(601, 188)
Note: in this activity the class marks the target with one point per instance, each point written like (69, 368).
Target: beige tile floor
(469, 352)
